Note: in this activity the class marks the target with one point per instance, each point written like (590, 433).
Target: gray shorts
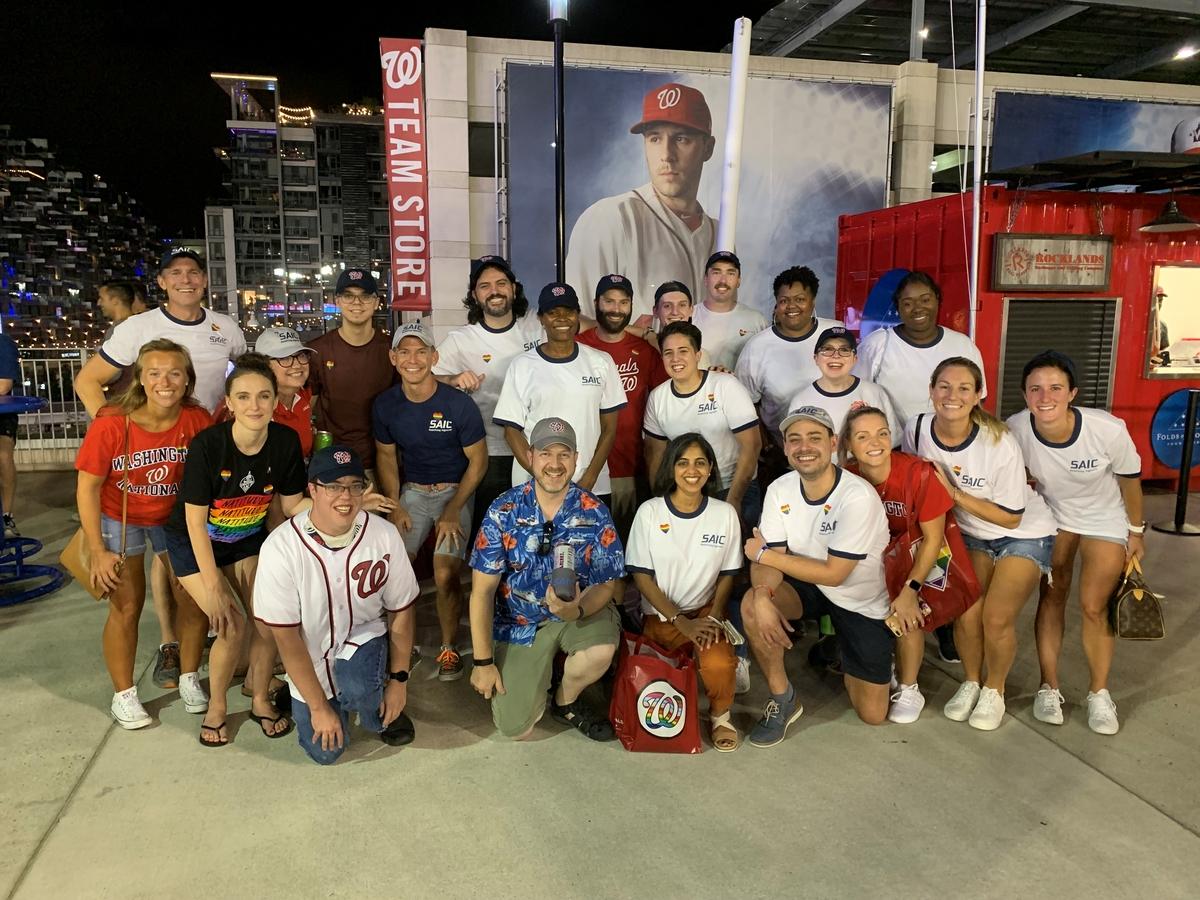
(425, 508)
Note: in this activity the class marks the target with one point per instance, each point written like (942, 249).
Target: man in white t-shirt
(819, 551)
(211, 338)
(901, 358)
(839, 392)
(335, 588)
(778, 361)
(565, 379)
(659, 231)
(475, 358)
(726, 324)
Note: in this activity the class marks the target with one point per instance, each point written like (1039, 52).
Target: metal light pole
(558, 18)
(977, 156)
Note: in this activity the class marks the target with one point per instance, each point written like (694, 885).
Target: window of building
(481, 149)
(216, 225)
(216, 250)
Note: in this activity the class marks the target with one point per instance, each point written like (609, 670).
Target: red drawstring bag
(653, 707)
(951, 587)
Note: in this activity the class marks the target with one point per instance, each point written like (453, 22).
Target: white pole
(739, 66)
(977, 157)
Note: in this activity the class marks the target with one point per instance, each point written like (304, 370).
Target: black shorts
(183, 559)
(8, 426)
(866, 644)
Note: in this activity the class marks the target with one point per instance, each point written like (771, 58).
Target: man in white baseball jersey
(657, 232)
(726, 324)
(335, 588)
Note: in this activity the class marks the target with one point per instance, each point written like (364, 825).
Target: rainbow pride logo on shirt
(664, 527)
(226, 474)
(827, 508)
(785, 509)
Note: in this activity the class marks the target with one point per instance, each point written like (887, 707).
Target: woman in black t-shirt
(219, 522)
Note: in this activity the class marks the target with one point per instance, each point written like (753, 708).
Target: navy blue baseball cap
(180, 253)
(557, 294)
(724, 256)
(360, 278)
(333, 462)
(611, 282)
(489, 262)
(837, 331)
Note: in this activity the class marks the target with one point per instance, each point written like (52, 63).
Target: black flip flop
(217, 729)
(261, 719)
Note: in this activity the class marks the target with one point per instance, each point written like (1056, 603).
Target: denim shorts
(137, 537)
(1037, 549)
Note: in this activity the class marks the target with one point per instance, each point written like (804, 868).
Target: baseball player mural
(657, 232)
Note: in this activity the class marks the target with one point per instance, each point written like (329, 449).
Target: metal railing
(49, 439)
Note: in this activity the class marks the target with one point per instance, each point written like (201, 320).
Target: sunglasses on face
(544, 546)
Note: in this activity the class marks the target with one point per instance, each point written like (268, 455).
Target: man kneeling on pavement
(519, 623)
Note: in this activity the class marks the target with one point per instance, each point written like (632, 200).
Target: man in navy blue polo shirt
(438, 433)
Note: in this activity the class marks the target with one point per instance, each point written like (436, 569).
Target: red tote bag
(951, 587)
(653, 707)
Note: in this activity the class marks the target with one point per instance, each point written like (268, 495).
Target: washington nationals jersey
(634, 234)
(1078, 477)
(338, 598)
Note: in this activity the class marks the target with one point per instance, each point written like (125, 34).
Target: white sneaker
(192, 693)
(1102, 713)
(989, 710)
(128, 710)
(741, 681)
(906, 705)
(1047, 705)
(958, 708)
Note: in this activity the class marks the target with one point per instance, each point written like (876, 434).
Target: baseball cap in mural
(180, 253)
(333, 462)
(280, 343)
(724, 256)
(809, 413)
(557, 294)
(611, 282)
(674, 104)
(489, 262)
(415, 329)
(551, 431)
(837, 331)
(360, 278)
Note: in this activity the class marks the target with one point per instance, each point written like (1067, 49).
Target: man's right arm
(296, 661)
(90, 382)
(485, 679)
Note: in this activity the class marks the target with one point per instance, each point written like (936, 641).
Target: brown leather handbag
(76, 557)
(1135, 611)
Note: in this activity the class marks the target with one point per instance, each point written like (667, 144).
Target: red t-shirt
(641, 370)
(933, 502)
(156, 463)
(298, 418)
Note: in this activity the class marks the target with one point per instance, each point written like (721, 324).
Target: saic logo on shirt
(440, 423)
(712, 540)
(1084, 465)
(969, 481)
(591, 381)
(709, 407)
(829, 527)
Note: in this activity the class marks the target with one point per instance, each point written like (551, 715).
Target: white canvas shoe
(128, 710)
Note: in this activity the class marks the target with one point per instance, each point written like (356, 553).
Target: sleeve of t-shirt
(196, 486)
(739, 407)
(612, 397)
(237, 344)
(401, 588)
(316, 369)
(489, 554)
(1007, 477)
(471, 430)
(121, 349)
(379, 419)
(276, 593)
(935, 500)
(746, 372)
(10, 366)
(771, 525)
(732, 563)
(972, 353)
(101, 445)
(658, 372)
(294, 478)
(449, 361)
(637, 553)
(911, 438)
(867, 354)
(856, 520)
(1126, 461)
(510, 409)
(650, 423)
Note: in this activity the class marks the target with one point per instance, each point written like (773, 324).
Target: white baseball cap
(280, 343)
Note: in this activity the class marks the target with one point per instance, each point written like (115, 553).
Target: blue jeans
(358, 687)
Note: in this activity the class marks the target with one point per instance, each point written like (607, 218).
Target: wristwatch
(915, 585)
(399, 676)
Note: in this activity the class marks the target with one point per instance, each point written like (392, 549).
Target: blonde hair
(980, 416)
(134, 396)
(844, 451)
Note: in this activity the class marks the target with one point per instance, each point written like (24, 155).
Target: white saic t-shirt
(717, 409)
(848, 522)
(488, 352)
(212, 341)
(1078, 478)
(578, 389)
(986, 468)
(336, 597)
(903, 368)
(773, 368)
(841, 404)
(723, 334)
(684, 552)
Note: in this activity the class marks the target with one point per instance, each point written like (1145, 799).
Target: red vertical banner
(405, 163)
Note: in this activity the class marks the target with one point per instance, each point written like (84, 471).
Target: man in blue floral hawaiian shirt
(518, 623)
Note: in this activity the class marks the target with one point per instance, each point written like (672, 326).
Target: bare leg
(164, 602)
(582, 668)
(869, 700)
(446, 571)
(262, 646)
(8, 474)
(1014, 579)
(910, 653)
(769, 656)
(968, 628)
(121, 626)
(1052, 606)
(224, 655)
(1103, 562)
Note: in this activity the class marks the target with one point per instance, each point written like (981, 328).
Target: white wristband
(764, 549)
(1137, 529)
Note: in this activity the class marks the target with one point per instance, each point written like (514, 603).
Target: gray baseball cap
(809, 413)
(552, 431)
(280, 343)
(415, 329)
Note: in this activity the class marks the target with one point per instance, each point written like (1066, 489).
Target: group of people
(712, 474)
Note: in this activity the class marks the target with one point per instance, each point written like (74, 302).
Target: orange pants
(718, 665)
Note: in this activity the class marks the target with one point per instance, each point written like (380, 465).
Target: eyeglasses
(354, 490)
(295, 359)
(357, 300)
(830, 352)
(547, 532)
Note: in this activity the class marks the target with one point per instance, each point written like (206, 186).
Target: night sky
(124, 91)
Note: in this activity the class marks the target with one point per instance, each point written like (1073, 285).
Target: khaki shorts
(425, 508)
(526, 671)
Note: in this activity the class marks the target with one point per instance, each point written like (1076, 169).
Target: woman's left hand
(908, 610)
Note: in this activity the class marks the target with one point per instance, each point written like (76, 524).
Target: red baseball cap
(675, 104)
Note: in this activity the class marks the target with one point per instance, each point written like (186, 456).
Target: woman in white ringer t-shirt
(1089, 472)
(1005, 525)
(684, 551)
